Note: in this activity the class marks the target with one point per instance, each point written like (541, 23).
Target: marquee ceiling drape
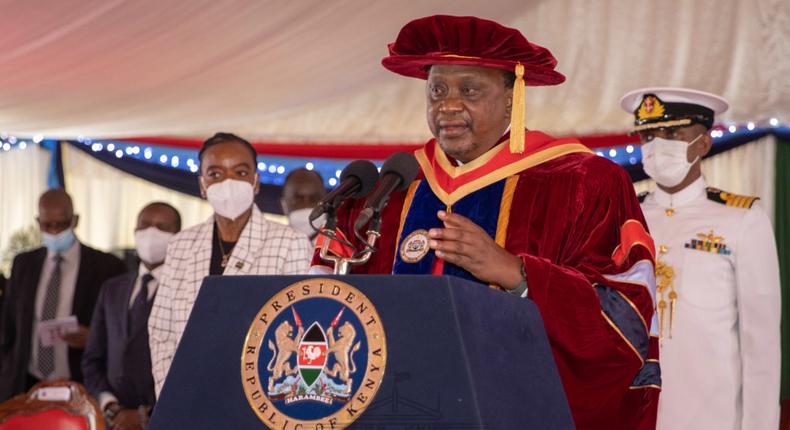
(309, 71)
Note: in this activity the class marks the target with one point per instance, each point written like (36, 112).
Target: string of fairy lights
(274, 169)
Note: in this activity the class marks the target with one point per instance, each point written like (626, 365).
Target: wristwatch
(521, 289)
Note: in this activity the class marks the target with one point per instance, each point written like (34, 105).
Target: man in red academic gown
(539, 217)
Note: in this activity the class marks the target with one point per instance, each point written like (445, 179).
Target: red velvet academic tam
(468, 41)
(471, 41)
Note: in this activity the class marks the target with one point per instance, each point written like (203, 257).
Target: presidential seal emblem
(414, 246)
(314, 356)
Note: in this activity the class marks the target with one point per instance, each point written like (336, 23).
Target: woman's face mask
(231, 197)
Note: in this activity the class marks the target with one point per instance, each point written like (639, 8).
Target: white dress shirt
(69, 268)
(720, 368)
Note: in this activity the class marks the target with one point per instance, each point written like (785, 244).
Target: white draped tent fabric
(108, 207)
(310, 70)
(23, 177)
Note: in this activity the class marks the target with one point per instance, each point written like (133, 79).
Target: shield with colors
(312, 354)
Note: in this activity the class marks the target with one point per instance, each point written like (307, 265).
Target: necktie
(46, 354)
(138, 313)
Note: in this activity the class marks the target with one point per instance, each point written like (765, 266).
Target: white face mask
(666, 161)
(151, 244)
(231, 198)
(300, 220)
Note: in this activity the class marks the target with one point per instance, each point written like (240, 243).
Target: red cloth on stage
(575, 221)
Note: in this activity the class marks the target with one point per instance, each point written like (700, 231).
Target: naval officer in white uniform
(718, 295)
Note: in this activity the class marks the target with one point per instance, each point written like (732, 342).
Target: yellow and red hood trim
(452, 183)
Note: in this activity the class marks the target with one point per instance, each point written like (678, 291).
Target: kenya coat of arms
(314, 355)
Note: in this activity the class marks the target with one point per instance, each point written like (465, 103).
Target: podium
(440, 353)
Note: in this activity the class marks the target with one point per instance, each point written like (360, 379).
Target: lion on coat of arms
(285, 346)
(341, 347)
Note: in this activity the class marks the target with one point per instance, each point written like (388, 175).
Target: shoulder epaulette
(642, 196)
(730, 199)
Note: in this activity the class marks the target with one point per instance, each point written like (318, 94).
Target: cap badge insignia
(651, 107)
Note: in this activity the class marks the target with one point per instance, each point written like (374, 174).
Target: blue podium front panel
(454, 355)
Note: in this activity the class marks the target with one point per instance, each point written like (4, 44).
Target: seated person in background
(56, 281)
(302, 191)
(236, 240)
(117, 360)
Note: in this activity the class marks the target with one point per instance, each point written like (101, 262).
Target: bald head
(55, 211)
(160, 215)
(57, 197)
(303, 189)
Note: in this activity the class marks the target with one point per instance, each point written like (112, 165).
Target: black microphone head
(367, 174)
(404, 165)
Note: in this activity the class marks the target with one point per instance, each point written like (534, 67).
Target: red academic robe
(575, 221)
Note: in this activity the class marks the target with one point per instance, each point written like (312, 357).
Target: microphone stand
(343, 264)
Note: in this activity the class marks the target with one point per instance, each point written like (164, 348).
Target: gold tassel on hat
(517, 112)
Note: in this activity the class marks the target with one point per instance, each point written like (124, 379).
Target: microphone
(357, 180)
(397, 173)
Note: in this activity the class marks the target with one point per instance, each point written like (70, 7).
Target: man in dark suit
(53, 282)
(117, 360)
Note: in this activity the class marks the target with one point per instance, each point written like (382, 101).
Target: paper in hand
(50, 332)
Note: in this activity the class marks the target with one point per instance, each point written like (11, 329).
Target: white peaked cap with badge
(717, 104)
(657, 107)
